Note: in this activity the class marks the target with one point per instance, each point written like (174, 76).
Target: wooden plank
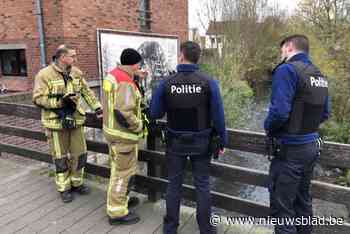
(48, 195)
(19, 185)
(335, 155)
(150, 225)
(226, 172)
(232, 203)
(75, 216)
(15, 175)
(20, 176)
(229, 173)
(219, 199)
(101, 227)
(20, 110)
(190, 227)
(339, 229)
(28, 153)
(186, 213)
(64, 210)
(11, 207)
(22, 132)
(145, 211)
(32, 216)
(15, 198)
(331, 192)
(87, 222)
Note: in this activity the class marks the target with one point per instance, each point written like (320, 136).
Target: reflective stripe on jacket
(49, 88)
(121, 107)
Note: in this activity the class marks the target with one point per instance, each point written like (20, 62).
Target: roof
(218, 27)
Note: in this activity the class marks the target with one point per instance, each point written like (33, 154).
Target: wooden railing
(333, 154)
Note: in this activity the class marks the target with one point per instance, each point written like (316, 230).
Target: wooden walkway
(29, 203)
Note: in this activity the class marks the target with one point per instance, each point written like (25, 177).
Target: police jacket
(122, 120)
(50, 87)
(192, 102)
(299, 101)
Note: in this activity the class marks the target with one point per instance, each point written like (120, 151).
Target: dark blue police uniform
(192, 102)
(299, 104)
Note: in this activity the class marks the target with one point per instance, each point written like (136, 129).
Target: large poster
(160, 53)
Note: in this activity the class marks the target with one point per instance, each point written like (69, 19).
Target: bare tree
(330, 21)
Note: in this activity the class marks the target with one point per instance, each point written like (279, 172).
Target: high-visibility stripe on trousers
(69, 153)
(123, 159)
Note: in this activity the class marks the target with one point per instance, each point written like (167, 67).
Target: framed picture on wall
(159, 52)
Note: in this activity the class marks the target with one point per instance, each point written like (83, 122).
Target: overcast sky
(196, 6)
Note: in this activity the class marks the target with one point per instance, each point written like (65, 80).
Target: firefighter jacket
(50, 87)
(122, 117)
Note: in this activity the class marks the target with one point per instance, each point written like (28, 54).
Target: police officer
(299, 104)
(123, 129)
(192, 101)
(58, 90)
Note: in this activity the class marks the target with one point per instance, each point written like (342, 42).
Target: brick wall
(75, 23)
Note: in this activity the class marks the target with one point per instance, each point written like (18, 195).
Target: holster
(215, 146)
(275, 149)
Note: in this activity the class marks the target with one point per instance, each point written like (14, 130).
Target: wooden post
(153, 169)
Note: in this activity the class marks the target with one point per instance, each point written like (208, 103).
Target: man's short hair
(62, 50)
(191, 51)
(301, 42)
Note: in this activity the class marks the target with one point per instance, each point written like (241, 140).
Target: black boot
(82, 189)
(133, 202)
(128, 219)
(66, 196)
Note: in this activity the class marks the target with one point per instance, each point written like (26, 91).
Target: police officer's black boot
(82, 189)
(129, 219)
(66, 196)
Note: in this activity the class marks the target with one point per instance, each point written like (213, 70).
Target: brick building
(74, 22)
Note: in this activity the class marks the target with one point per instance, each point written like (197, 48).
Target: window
(13, 62)
(145, 15)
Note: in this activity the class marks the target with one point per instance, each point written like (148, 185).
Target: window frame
(145, 15)
(18, 62)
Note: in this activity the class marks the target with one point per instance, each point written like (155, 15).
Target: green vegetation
(236, 93)
(250, 34)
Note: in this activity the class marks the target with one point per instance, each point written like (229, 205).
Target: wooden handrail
(333, 154)
(320, 190)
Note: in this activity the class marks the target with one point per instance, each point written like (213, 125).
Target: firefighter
(58, 90)
(123, 129)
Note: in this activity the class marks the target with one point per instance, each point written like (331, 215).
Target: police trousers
(290, 176)
(200, 169)
(68, 149)
(123, 159)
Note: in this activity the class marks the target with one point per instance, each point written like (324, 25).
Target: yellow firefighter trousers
(68, 149)
(123, 159)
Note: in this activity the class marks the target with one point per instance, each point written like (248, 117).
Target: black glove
(216, 146)
(68, 102)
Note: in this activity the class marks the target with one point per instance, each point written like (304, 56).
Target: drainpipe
(40, 17)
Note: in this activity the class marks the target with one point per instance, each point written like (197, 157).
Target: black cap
(130, 56)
